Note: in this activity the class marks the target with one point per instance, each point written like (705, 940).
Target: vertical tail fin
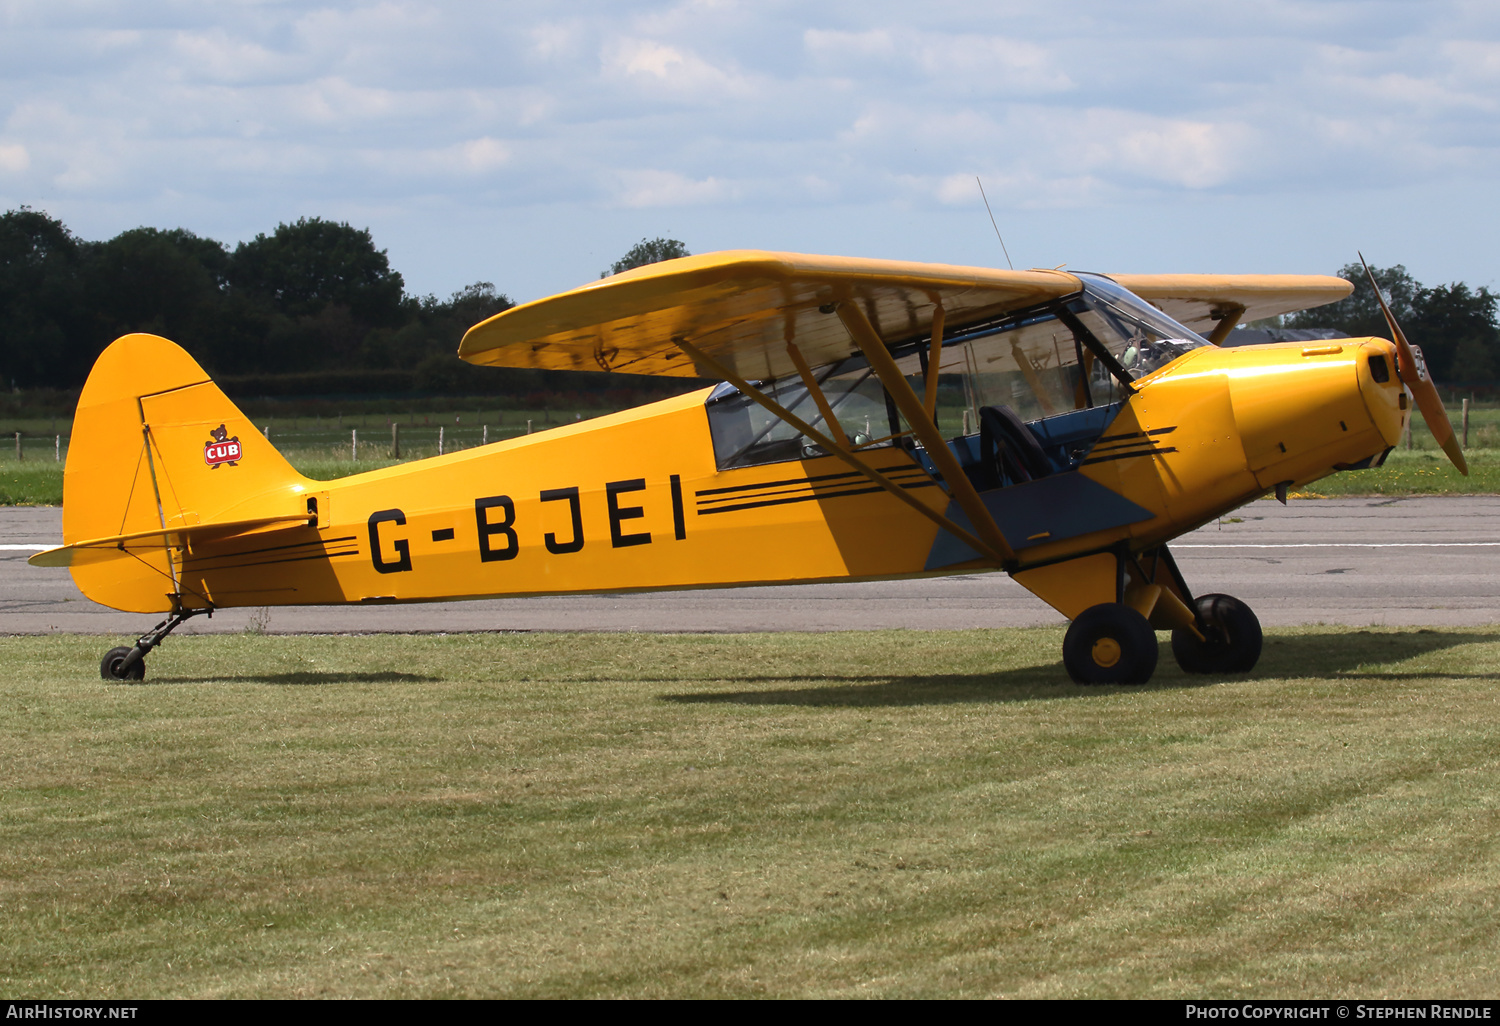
(157, 445)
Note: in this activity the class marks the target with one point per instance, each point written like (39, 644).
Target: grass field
(884, 814)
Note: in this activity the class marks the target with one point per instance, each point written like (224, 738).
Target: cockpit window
(1078, 353)
(1029, 363)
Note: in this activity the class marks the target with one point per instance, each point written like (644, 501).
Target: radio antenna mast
(992, 222)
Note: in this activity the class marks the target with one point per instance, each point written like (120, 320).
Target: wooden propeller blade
(1414, 375)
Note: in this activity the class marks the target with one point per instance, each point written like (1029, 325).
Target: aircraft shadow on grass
(304, 678)
(1366, 655)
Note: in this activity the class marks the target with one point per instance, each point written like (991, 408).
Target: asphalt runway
(1427, 561)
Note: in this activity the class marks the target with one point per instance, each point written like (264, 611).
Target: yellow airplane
(877, 420)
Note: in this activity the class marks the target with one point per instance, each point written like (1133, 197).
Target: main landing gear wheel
(112, 666)
(1110, 644)
(1234, 638)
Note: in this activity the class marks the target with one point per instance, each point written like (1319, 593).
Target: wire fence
(376, 438)
(331, 438)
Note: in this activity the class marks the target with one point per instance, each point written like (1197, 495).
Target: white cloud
(216, 55)
(843, 44)
(649, 188)
(1175, 151)
(970, 62)
(14, 158)
(720, 112)
(670, 71)
(481, 155)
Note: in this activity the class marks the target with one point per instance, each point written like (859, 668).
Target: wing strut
(849, 457)
(899, 389)
(1227, 316)
(934, 358)
(816, 391)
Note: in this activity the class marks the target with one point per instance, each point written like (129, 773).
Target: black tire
(109, 666)
(1110, 644)
(1234, 638)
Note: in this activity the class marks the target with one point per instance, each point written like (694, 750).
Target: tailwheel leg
(1110, 643)
(130, 663)
(1230, 641)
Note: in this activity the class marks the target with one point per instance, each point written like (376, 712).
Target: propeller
(1414, 375)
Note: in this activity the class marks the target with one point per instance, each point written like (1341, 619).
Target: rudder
(156, 444)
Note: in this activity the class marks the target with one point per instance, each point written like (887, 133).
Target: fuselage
(639, 501)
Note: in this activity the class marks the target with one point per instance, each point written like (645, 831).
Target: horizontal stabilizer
(81, 552)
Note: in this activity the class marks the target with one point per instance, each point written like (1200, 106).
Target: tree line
(1455, 326)
(315, 308)
(310, 308)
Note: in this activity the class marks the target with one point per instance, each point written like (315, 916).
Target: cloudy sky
(531, 144)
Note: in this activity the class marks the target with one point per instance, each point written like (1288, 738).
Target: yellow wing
(1203, 301)
(741, 307)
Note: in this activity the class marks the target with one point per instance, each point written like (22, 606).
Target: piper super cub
(876, 420)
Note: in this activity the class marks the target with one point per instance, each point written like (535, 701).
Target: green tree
(428, 341)
(1358, 314)
(1459, 332)
(1456, 327)
(647, 251)
(42, 304)
(306, 266)
(321, 287)
(170, 283)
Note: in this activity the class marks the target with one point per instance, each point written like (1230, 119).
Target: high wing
(1214, 303)
(741, 308)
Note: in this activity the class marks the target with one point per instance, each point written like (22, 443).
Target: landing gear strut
(130, 663)
(1115, 642)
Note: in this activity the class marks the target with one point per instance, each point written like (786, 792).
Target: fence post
(57, 451)
(267, 431)
(484, 435)
(19, 454)
(440, 439)
(1466, 424)
(395, 441)
(528, 425)
(354, 444)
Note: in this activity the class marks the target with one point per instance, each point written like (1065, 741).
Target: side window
(1030, 364)
(746, 434)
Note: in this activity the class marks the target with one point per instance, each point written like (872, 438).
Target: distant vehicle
(1082, 428)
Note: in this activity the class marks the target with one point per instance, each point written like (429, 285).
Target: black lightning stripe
(1127, 455)
(811, 497)
(801, 480)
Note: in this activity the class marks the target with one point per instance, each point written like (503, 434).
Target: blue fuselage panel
(1040, 512)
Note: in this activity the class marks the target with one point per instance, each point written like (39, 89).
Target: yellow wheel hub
(1106, 652)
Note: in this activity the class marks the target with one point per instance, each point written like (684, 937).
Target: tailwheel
(113, 666)
(1233, 638)
(129, 663)
(1110, 644)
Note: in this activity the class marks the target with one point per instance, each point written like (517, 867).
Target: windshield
(1139, 335)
